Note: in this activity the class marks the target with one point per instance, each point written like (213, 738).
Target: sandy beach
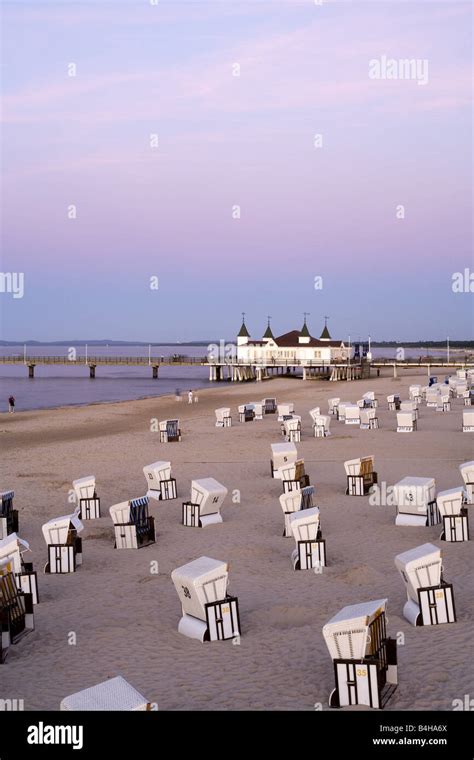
(125, 618)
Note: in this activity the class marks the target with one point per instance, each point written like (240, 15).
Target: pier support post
(394, 370)
(92, 371)
(31, 370)
(155, 372)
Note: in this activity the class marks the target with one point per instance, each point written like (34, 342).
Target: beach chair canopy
(420, 568)
(352, 411)
(209, 494)
(84, 487)
(56, 531)
(314, 413)
(294, 423)
(283, 453)
(347, 633)
(305, 524)
(287, 408)
(114, 694)
(407, 406)
(322, 420)
(199, 582)
(369, 396)
(6, 501)
(467, 472)
(291, 501)
(156, 472)
(11, 549)
(468, 417)
(450, 502)
(223, 411)
(361, 466)
(412, 491)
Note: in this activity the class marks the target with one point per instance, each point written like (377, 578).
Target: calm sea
(55, 386)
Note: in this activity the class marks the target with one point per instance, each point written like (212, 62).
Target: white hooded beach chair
(208, 612)
(393, 401)
(269, 405)
(368, 401)
(161, 486)
(415, 393)
(468, 398)
(292, 429)
(282, 454)
(415, 500)
(8, 515)
(444, 401)
(430, 600)
(16, 610)
(369, 419)
(409, 406)
(310, 551)
(360, 475)
(467, 473)
(406, 422)
(468, 421)
(352, 414)
(63, 542)
(321, 425)
(204, 507)
(284, 410)
(258, 410)
(294, 501)
(453, 514)
(246, 413)
(315, 412)
(134, 528)
(341, 410)
(12, 549)
(169, 431)
(293, 476)
(115, 694)
(364, 658)
(432, 396)
(86, 496)
(333, 403)
(223, 417)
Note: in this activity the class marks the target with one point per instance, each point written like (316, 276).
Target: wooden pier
(234, 371)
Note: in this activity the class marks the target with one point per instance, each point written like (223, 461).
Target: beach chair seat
(468, 398)
(310, 551)
(443, 402)
(64, 543)
(134, 528)
(368, 401)
(86, 498)
(360, 475)
(115, 694)
(223, 417)
(406, 422)
(161, 486)
(332, 405)
(393, 401)
(321, 425)
(467, 473)
(468, 421)
(430, 600)
(8, 515)
(454, 515)
(246, 413)
(12, 549)
(170, 431)
(352, 414)
(282, 454)
(415, 499)
(204, 507)
(414, 391)
(364, 657)
(369, 419)
(16, 610)
(209, 613)
(270, 405)
(258, 410)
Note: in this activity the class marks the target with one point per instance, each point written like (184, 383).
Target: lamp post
(447, 349)
(149, 354)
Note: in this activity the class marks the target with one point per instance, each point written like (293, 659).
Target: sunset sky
(226, 140)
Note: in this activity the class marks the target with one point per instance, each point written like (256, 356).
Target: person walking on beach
(190, 397)
(11, 404)
(178, 394)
